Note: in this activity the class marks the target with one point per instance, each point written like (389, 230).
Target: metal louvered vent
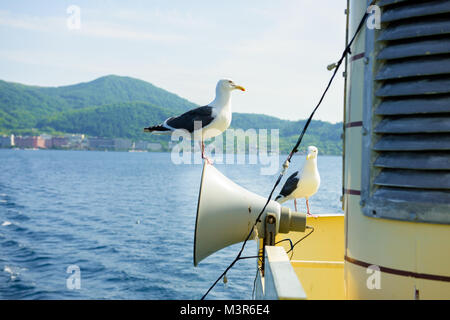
(410, 136)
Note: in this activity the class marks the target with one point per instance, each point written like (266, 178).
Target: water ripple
(125, 220)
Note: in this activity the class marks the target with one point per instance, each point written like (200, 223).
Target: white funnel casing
(226, 213)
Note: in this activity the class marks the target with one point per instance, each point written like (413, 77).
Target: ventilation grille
(411, 135)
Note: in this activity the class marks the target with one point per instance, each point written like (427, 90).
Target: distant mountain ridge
(113, 89)
(117, 106)
(24, 105)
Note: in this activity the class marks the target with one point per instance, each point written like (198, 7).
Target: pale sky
(278, 50)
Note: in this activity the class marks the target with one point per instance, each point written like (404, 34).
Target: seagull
(302, 184)
(207, 121)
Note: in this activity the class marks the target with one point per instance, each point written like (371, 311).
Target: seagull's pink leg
(295, 204)
(209, 161)
(307, 207)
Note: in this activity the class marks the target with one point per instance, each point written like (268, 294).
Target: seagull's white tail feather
(280, 199)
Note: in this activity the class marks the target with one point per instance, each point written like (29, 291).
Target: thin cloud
(97, 28)
(27, 22)
(115, 31)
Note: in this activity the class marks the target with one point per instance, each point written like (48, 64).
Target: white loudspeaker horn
(226, 213)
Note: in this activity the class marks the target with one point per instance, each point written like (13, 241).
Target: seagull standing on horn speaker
(214, 118)
(226, 213)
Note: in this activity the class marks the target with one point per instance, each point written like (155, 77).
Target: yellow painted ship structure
(393, 240)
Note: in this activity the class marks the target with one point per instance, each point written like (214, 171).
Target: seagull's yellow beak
(240, 88)
(308, 156)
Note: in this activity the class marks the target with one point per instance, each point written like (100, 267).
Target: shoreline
(140, 151)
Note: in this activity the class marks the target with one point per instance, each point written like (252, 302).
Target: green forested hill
(22, 106)
(114, 89)
(324, 135)
(124, 120)
(114, 106)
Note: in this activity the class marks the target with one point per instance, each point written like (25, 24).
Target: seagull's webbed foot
(312, 215)
(208, 160)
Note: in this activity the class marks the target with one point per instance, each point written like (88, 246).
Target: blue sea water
(126, 220)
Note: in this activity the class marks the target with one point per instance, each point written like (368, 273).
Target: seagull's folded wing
(187, 120)
(290, 185)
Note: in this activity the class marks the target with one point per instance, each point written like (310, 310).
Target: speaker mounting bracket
(270, 230)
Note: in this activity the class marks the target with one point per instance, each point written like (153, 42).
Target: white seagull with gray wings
(304, 183)
(203, 122)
